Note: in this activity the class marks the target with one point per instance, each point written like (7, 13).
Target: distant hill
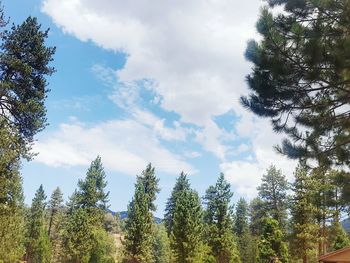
(124, 214)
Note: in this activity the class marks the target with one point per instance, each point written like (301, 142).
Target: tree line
(286, 222)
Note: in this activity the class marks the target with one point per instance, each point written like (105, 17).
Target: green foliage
(24, 65)
(161, 246)
(91, 193)
(188, 229)
(38, 244)
(304, 238)
(218, 217)
(256, 212)
(300, 78)
(11, 198)
(84, 238)
(241, 217)
(104, 247)
(56, 224)
(273, 193)
(181, 184)
(78, 236)
(245, 241)
(338, 237)
(271, 247)
(140, 226)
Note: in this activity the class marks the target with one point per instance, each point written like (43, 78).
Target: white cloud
(193, 50)
(124, 145)
(192, 54)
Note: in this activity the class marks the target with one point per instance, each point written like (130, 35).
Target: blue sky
(148, 81)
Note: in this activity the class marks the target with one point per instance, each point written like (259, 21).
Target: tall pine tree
(245, 240)
(218, 217)
(181, 184)
(38, 244)
(140, 225)
(55, 227)
(304, 226)
(273, 192)
(187, 235)
(84, 237)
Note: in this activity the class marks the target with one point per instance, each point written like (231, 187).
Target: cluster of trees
(80, 231)
(287, 222)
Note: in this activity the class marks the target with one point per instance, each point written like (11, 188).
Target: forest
(299, 80)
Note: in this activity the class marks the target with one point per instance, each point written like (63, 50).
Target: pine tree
(257, 212)
(300, 79)
(273, 192)
(188, 229)
(218, 217)
(246, 242)
(11, 198)
(304, 226)
(56, 223)
(241, 217)
(271, 247)
(84, 238)
(181, 184)
(38, 244)
(91, 194)
(322, 201)
(78, 236)
(55, 207)
(24, 66)
(140, 226)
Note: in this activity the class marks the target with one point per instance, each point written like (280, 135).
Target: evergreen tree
(161, 246)
(273, 192)
(300, 78)
(304, 236)
(55, 207)
(241, 217)
(11, 198)
(56, 224)
(91, 194)
(78, 236)
(188, 229)
(84, 238)
(38, 243)
(322, 201)
(140, 226)
(218, 217)
(24, 66)
(181, 184)
(246, 242)
(256, 212)
(271, 247)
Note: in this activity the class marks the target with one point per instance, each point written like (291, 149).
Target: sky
(144, 81)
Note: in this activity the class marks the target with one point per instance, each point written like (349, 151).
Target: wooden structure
(338, 256)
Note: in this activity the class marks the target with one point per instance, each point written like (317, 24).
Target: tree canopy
(301, 77)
